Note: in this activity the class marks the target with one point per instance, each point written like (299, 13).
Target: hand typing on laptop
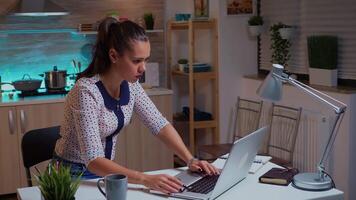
(170, 184)
(202, 166)
(199, 185)
(163, 183)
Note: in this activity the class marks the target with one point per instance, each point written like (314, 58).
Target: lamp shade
(271, 87)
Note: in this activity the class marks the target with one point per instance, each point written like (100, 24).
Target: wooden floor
(8, 197)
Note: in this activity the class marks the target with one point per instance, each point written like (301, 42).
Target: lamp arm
(339, 110)
(336, 108)
(331, 140)
(313, 92)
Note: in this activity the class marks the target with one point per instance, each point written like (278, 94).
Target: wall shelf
(95, 32)
(197, 24)
(196, 75)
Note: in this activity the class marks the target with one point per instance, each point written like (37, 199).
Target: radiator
(313, 131)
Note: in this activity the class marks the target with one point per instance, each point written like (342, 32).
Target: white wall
(237, 55)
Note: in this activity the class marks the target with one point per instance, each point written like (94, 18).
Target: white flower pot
(181, 67)
(323, 77)
(286, 33)
(255, 30)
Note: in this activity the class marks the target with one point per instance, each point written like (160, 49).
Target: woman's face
(131, 65)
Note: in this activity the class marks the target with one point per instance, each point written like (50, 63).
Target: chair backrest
(38, 146)
(248, 114)
(284, 123)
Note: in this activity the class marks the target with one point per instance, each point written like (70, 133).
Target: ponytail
(112, 34)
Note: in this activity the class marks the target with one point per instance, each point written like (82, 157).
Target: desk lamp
(271, 89)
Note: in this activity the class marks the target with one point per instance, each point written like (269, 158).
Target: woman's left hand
(202, 165)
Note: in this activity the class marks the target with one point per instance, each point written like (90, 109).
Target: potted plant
(286, 31)
(255, 25)
(182, 63)
(279, 46)
(113, 14)
(149, 20)
(56, 183)
(322, 56)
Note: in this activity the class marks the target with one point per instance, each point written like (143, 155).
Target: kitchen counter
(16, 100)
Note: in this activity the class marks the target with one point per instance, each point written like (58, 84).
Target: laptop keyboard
(204, 185)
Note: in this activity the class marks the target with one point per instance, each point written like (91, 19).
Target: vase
(42, 198)
(149, 25)
(286, 33)
(181, 67)
(255, 30)
(324, 77)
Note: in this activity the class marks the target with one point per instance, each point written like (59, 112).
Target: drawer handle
(23, 120)
(11, 122)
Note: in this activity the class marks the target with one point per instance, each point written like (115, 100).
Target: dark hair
(112, 34)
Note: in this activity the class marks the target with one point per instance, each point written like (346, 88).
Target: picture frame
(240, 7)
(201, 9)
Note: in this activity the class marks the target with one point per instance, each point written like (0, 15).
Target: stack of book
(198, 67)
(86, 27)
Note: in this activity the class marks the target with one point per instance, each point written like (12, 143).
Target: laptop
(237, 165)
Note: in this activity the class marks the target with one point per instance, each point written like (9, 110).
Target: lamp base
(312, 182)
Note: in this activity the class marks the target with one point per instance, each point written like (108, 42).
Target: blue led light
(36, 52)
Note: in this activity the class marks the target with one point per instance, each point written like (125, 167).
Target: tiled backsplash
(36, 52)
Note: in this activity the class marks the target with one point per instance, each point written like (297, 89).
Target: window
(312, 17)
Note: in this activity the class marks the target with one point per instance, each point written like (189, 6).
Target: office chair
(38, 146)
(248, 114)
(284, 124)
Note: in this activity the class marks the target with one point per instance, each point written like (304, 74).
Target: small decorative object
(322, 56)
(182, 63)
(286, 31)
(56, 183)
(149, 20)
(182, 16)
(113, 14)
(239, 7)
(279, 46)
(201, 9)
(255, 25)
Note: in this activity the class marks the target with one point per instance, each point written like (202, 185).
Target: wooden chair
(248, 114)
(38, 146)
(284, 123)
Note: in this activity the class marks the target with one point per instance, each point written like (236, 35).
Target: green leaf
(57, 183)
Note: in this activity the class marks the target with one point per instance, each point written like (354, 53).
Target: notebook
(278, 176)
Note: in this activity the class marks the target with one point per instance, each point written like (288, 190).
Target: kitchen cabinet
(34, 117)
(16, 121)
(9, 152)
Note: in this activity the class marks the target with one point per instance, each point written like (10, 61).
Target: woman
(101, 104)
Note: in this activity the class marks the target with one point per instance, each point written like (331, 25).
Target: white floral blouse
(93, 119)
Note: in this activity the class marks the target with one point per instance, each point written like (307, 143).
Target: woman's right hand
(163, 183)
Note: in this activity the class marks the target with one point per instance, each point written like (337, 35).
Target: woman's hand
(162, 182)
(202, 165)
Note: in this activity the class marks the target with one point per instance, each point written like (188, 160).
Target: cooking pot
(55, 79)
(26, 85)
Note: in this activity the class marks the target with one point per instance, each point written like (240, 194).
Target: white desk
(247, 189)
